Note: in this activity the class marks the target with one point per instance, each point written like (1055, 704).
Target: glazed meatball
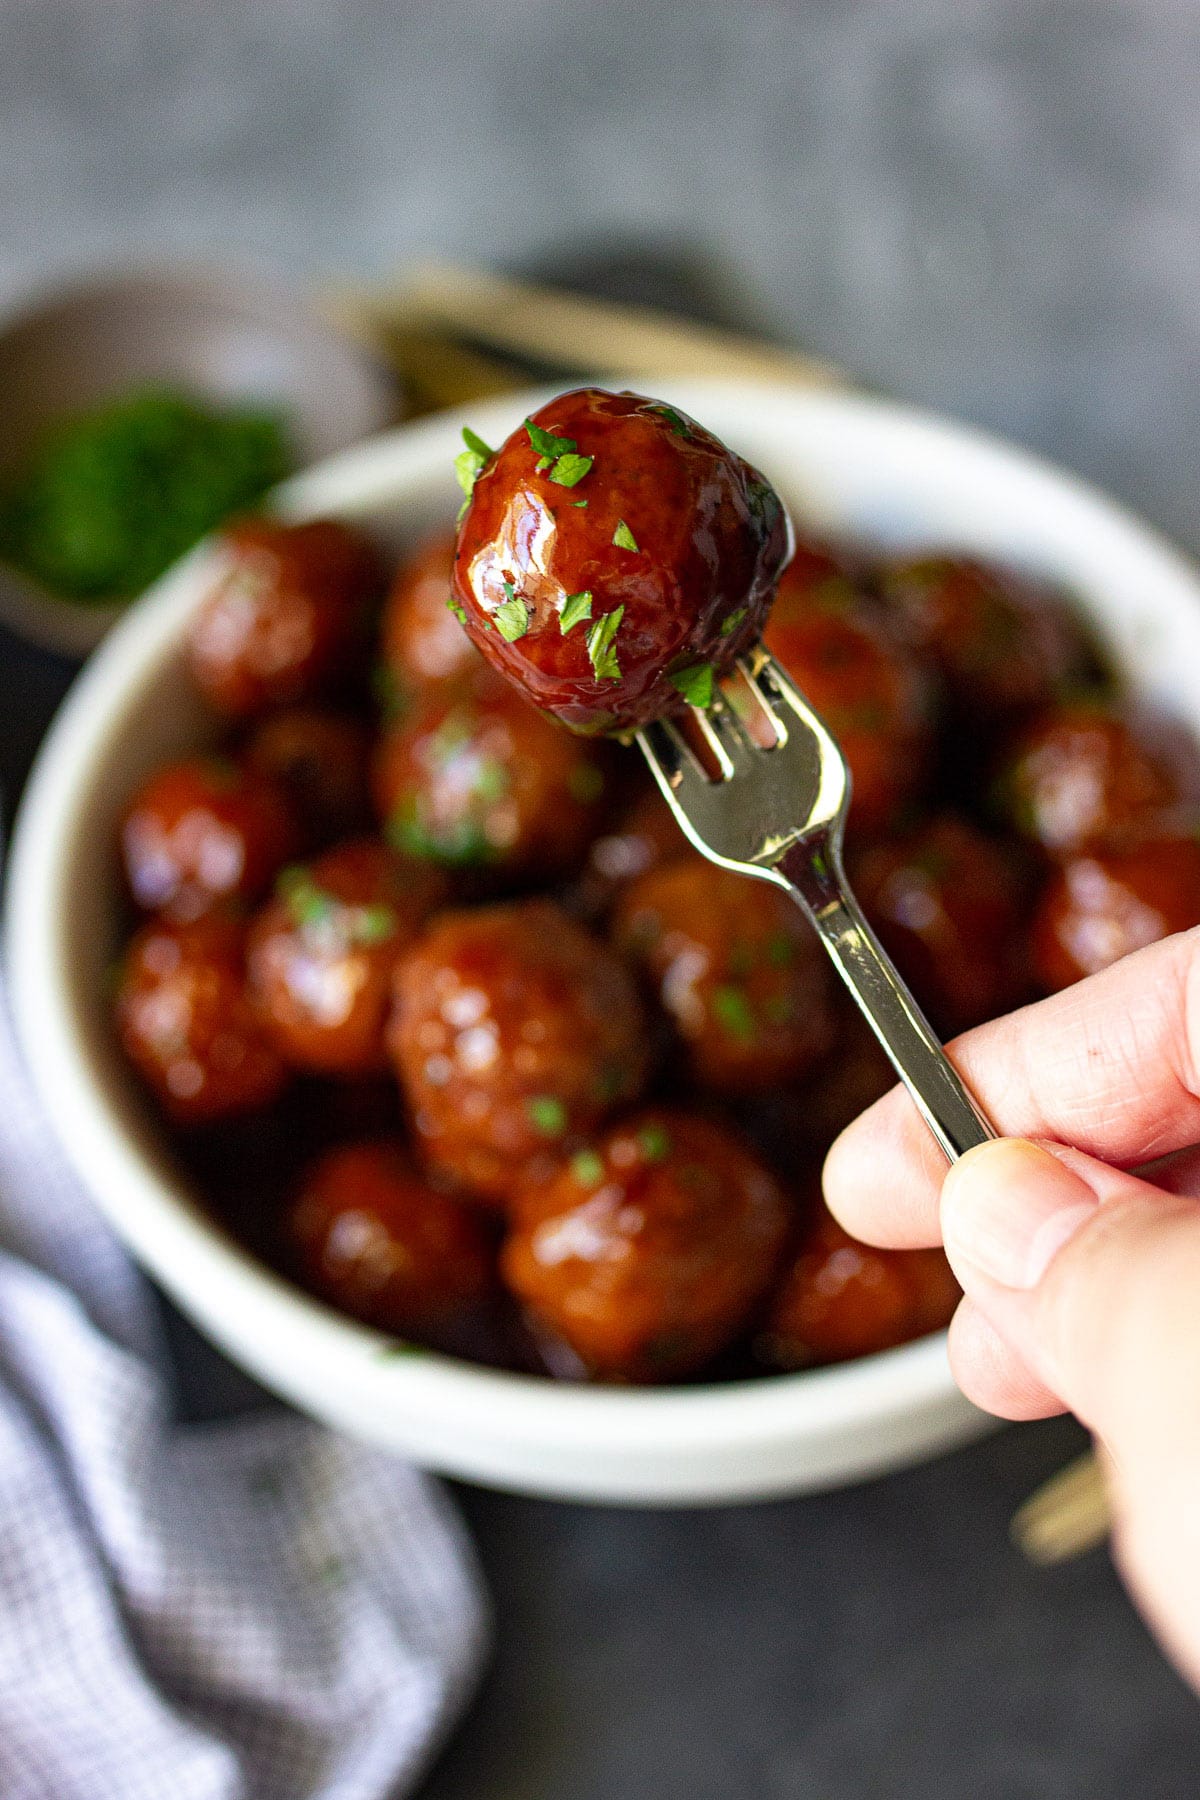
(322, 953)
(1105, 903)
(873, 694)
(950, 905)
(1081, 775)
(187, 1026)
(736, 968)
(1000, 645)
(372, 1237)
(421, 639)
(319, 759)
(614, 555)
(648, 1251)
(472, 775)
(202, 832)
(514, 1033)
(286, 618)
(643, 836)
(839, 1299)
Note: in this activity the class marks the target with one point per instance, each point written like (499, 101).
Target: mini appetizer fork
(777, 811)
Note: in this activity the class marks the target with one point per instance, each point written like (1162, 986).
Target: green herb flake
(732, 1010)
(307, 904)
(601, 643)
(654, 1143)
(547, 1114)
(548, 446)
(695, 683)
(512, 618)
(587, 1168)
(374, 925)
(623, 538)
(679, 425)
(455, 605)
(575, 608)
(732, 621)
(474, 442)
(570, 469)
(781, 950)
(579, 503)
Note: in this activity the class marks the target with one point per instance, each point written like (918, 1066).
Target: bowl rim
(185, 1250)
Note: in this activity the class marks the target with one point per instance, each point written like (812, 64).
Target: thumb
(1093, 1277)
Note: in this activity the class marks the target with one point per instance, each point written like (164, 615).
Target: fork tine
(663, 744)
(724, 735)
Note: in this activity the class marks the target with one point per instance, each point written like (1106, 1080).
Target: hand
(1081, 1279)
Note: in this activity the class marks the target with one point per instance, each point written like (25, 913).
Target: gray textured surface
(990, 208)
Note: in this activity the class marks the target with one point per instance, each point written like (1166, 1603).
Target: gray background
(994, 209)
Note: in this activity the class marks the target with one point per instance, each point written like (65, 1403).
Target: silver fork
(778, 813)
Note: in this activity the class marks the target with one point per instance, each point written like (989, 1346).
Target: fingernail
(1008, 1208)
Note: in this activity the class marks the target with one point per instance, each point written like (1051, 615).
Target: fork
(777, 812)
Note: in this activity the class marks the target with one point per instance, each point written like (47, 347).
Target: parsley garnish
(469, 464)
(548, 446)
(579, 503)
(733, 620)
(679, 426)
(654, 1143)
(454, 605)
(587, 1168)
(601, 645)
(733, 1011)
(547, 1114)
(307, 904)
(570, 469)
(781, 950)
(694, 683)
(575, 608)
(623, 538)
(512, 618)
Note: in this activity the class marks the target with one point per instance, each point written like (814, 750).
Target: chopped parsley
(679, 426)
(694, 683)
(732, 1009)
(733, 620)
(654, 1143)
(601, 643)
(560, 455)
(455, 605)
(470, 463)
(512, 618)
(587, 1168)
(570, 469)
(306, 903)
(547, 1114)
(576, 607)
(623, 538)
(781, 950)
(579, 503)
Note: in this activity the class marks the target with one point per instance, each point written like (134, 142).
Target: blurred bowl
(847, 464)
(221, 336)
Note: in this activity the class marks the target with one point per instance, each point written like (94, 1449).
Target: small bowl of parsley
(138, 412)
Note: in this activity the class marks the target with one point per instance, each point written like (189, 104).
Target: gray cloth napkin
(239, 1611)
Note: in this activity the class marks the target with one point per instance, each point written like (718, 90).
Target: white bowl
(848, 465)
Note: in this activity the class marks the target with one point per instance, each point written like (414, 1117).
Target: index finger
(1111, 1065)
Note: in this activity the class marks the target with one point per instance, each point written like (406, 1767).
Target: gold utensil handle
(1068, 1515)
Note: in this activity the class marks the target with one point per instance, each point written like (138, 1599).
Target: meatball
(286, 617)
(873, 694)
(372, 1237)
(612, 556)
(202, 832)
(644, 835)
(187, 1026)
(472, 775)
(514, 1033)
(838, 1299)
(949, 904)
(319, 759)
(322, 953)
(1082, 775)
(421, 638)
(1000, 645)
(737, 969)
(1105, 903)
(648, 1250)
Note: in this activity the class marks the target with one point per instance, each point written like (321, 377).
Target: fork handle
(815, 880)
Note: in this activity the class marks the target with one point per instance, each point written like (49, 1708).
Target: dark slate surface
(992, 208)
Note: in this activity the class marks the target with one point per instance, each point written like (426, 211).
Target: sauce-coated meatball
(613, 553)
(515, 1031)
(473, 776)
(949, 904)
(839, 1298)
(1082, 775)
(186, 1024)
(319, 759)
(202, 832)
(648, 1250)
(873, 694)
(421, 639)
(1000, 646)
(737, 969)
(286, 618)
(374, 1238)
(321, 954)
(1103, 904)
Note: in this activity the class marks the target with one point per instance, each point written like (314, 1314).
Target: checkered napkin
(239, 1611)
